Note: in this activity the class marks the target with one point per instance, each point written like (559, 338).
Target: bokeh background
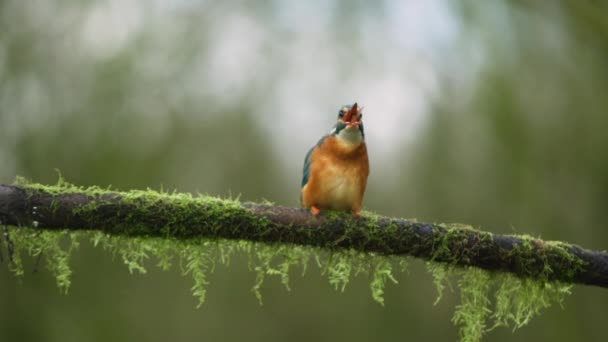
(491, 113)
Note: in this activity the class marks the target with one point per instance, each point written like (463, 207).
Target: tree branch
(184, 216)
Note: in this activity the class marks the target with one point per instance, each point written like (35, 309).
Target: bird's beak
(350, 118)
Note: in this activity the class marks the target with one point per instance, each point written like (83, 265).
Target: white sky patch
(162, 6)
(422, 25)
(393, 109)
(304, 16)
(110, 25)
(394, 81)
(393, 73)
(235, 57)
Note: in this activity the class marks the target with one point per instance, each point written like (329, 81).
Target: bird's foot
(357, 213)
(314, 210)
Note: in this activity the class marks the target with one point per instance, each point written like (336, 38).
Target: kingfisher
(336, 168)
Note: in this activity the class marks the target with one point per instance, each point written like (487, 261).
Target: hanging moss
(48, 244)
(165, 229)
(275, 261)
(518, 300)
(339, 269)
(495, 299)
(198, 257)
(382, 272)
(488, 300)
(474, 308)
(440, 273)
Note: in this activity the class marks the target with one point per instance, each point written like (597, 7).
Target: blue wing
(305, 173)
(308, 162)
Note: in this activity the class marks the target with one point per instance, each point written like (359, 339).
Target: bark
(147, 213)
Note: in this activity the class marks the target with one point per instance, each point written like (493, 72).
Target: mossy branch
(183, 216)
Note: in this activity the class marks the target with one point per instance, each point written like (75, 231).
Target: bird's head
(350, 115)
(350, 125)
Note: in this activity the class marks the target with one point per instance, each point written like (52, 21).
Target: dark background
(487, 113)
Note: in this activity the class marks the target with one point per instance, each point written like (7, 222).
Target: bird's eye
(342, 112)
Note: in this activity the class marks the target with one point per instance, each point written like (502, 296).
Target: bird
(336, 169)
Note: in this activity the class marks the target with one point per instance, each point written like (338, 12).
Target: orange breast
(338, 176)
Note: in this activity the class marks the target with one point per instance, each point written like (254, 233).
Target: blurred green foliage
(488, 113)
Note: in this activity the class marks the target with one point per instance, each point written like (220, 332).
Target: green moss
(454, 246)
(474, 307)
(197, 264)
(534, 257)
(133, 251)
(198, 257)
(59, 188)
(275, 261)
(491, 300)
(339, 269)
(488, 300)
(519, 300)
(440, 273)
(179, 214)
(382, 272)
(55, 246)
(15, 264)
